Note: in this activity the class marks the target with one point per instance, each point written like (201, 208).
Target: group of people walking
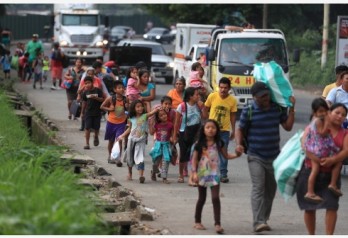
(202, 124)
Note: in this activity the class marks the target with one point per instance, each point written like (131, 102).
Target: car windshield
(156, 49)
(117, 31)
(156, 31)
(80, 20)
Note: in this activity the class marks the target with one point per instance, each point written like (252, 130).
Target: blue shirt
(263, 134)
(338, 95)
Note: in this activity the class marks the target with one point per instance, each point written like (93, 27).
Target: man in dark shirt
(259, 124)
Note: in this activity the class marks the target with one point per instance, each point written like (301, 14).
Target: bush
(308, 71)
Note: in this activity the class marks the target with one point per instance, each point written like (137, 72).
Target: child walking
(92, 99)
(166, 105)
(205, 169)
(137, 131)
(116, 105)
(319, 144)
(37, 66)
(6, 64)
(162, 146)
(45, 68)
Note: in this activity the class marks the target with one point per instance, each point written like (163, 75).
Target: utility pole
(265, 16)
(325, 35)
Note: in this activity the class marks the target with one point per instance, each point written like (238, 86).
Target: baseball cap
(35, 36)
(259, 88)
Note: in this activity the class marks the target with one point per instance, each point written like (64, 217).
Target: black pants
(202, 195)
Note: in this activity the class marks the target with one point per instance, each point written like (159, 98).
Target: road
(174, 204)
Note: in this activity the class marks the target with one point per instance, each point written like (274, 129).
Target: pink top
(163, 131)
(195, 80)
(131, 89)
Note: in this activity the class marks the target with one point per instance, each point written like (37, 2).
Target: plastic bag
(274, 77)
(116, 152)
(288, 165)
(14, 62)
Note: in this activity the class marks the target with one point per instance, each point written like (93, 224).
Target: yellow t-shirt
(327, 89)
(220, 109)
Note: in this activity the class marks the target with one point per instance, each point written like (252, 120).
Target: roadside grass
(308, 72)
(38, 194)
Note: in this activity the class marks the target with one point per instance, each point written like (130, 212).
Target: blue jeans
(225, 137)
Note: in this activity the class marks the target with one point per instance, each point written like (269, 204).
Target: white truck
(191, 41)
(233, 55)
(78, 29)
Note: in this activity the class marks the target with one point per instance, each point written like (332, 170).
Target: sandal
(337, 192)
(313, 198)
(86, 147)
(219, 229)
(96, 141)
(181, 180)
(199, 226)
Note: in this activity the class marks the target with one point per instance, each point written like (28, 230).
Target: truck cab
(233, 55)
(79, 32)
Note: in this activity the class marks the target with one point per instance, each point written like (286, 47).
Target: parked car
(161, 62)
(159, 34)
(121, 32)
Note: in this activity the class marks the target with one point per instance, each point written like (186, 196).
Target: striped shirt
(263, 134)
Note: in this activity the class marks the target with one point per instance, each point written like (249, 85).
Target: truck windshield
(80, 20)
(244, 52)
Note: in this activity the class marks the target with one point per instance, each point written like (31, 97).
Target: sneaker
(53, 88)
(262, 227)
(224, 179)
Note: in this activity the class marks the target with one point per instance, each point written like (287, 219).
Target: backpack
(56, 55)
(124, 99)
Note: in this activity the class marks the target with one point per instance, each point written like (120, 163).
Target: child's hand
(239, 150)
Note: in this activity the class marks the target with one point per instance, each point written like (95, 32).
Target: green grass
(38, 195)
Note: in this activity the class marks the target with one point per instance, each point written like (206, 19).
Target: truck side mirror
(296, 55)
(188, 58)
(210, 54)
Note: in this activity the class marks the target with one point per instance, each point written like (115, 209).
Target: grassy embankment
(38, 194)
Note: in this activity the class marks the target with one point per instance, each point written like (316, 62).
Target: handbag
(75, 108)
(66, 84)
(288, 164)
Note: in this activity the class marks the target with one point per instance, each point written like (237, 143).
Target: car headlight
(145, 36)
(158, 37)
(63, 43)
(99, 43)
(171, 65)
(105, 42)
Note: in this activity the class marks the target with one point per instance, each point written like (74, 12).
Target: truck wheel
(169, 80)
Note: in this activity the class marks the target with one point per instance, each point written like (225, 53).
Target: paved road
(174, 204)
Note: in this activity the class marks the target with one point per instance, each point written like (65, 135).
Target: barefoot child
(319, 144)
(205, 169)
(116, 105)
(162, 146)
(137, 130)
(92, 99)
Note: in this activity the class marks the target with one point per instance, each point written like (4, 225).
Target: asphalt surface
(174, 204)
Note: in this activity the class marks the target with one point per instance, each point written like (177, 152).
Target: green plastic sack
(274, 77)
(288, 165)
(14, 62)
